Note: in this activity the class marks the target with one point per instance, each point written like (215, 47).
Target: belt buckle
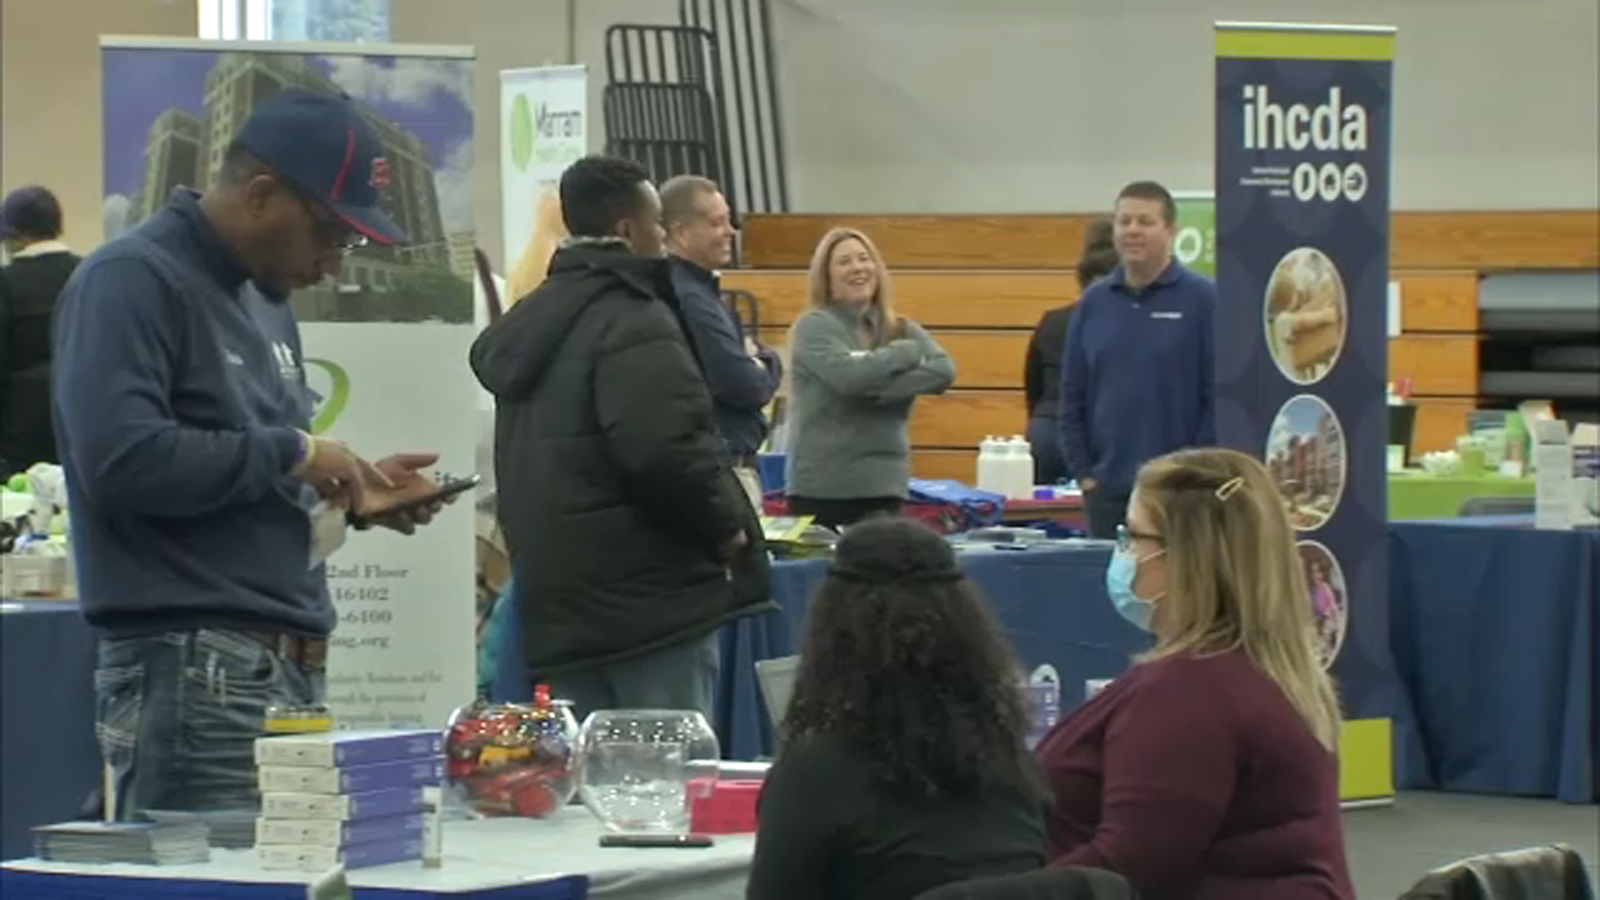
(287, 647)
(314, 654)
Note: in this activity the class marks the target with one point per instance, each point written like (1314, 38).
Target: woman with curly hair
(903, 765)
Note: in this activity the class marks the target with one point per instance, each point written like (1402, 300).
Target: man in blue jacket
(183, 419)
(1136, 375)
(741, 375)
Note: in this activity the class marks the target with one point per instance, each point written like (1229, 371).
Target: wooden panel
(1432, 301)
(956, 465)
(959, 299)
(1437, 365)
(984, 359)
(961, 419)
(990, 359)
(1439, 302)
(1478, 241)
(787, 241)
(1486, 241)
(1440, 420)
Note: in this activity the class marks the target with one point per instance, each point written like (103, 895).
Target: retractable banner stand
(384, 349)
(1196, 242)
(544, 127)
(1302, 226)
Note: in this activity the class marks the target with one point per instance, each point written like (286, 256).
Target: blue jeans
(680, 676)
(177, 715)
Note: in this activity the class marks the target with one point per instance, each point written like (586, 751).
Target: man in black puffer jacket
(631, 538)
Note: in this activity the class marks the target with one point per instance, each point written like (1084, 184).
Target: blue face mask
(1119, 584)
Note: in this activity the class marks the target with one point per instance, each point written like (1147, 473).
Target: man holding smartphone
(631, 538)
(201, 504)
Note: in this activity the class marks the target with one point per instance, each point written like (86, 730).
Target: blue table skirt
(1051, 604)
(1496, 640)
(49, 762)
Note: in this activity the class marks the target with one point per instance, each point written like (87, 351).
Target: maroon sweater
(1194, 777)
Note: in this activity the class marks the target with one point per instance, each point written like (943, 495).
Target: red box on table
(723, 807)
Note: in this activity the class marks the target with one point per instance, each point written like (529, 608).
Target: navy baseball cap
(31, 211)
(323, 147)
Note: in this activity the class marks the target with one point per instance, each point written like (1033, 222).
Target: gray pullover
(849, 404)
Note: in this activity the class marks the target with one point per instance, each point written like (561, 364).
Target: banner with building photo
(1302, 224)
(544, 127)
(385, 348)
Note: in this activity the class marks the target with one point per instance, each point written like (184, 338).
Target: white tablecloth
(497, 853)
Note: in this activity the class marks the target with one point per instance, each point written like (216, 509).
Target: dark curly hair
(903, 660)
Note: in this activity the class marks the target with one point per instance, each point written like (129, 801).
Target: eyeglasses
(331, 232)
(1126, 536)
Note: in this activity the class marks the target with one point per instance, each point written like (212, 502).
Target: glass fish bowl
(637, 767)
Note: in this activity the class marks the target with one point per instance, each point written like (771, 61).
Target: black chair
(747, 309)
(1071, 883)
(670, 129)
(1542, 873)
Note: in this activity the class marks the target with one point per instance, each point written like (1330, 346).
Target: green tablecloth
(1418, 496)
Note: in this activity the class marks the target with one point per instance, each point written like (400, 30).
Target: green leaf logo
(520, 130)
(334, 403)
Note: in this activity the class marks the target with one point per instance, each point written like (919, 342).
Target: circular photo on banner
(1306, 315)
(1306, 456)
(1329, 598)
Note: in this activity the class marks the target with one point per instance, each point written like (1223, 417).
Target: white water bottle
(1019, 474)
(990, 465)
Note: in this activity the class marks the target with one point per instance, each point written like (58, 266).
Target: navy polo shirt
(1136, 374)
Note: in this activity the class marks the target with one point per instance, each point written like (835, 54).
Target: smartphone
(655, 840)
(444, 492)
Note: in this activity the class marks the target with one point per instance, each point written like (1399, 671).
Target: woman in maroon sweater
(1208, 771)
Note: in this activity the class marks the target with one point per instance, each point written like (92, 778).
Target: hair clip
(943, 575)
(1230, 487)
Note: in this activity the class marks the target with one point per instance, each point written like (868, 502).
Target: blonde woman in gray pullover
(856, 368)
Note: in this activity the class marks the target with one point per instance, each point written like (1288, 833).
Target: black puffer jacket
(614, 490)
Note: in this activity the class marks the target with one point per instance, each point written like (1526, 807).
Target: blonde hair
(1234, 577)
(817, 285)
(531, 268)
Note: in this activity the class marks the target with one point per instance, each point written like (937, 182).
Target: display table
(49, 761)
(1494, 630)
(1496, 637)
(1051, 603)
(504, 859)
(1417, 496)
(1065, 510)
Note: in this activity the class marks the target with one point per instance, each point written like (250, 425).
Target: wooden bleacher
(980, 283)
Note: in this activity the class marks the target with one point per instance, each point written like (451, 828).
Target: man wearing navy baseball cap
(201, 504)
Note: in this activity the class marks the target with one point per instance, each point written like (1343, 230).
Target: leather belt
(310, 654)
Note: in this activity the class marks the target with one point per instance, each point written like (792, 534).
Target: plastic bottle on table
(1019, 474)
(989, 465)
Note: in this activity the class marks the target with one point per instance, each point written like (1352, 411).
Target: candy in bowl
(513, 759)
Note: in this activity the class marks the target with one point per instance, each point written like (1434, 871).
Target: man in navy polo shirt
(196, 490)
(1136, 378)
